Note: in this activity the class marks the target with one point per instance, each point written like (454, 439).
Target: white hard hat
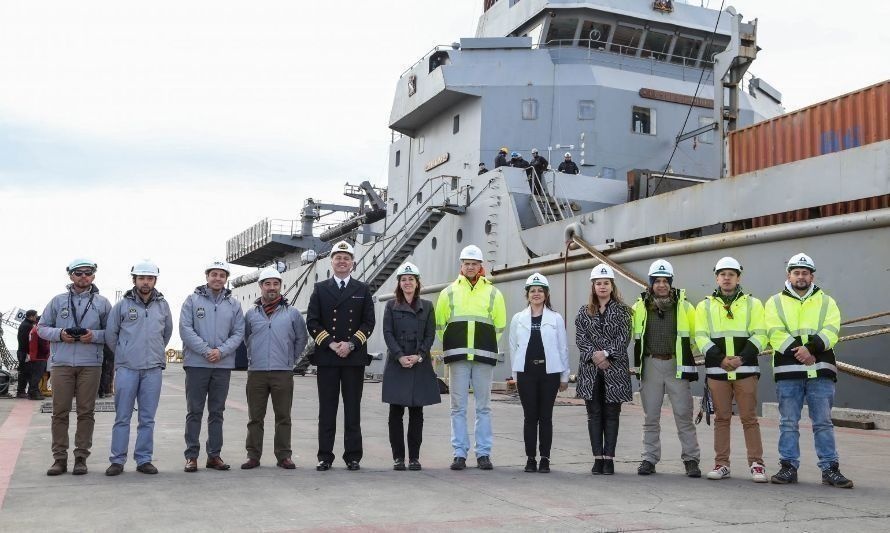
(218, 265)
(534, 150)
(567, 155)
(729, 263)
(408, 268)
(145, 268)
(602, 271)
(269, 273)
(343, 246)
(801, 260)
(661, 269)
(537, 280)
(81, 262)
(471, 252)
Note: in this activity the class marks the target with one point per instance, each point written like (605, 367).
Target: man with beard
(803, 325)
(74, 323)
(663, 323)
(275, 334)
(139, 328)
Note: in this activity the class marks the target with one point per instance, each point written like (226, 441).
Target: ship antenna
(689, 110)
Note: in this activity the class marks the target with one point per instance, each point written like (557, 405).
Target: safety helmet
(408, 268)
(661, 269)
(729, 263)
(537, 280)
(504, 149)
(801, 260)
(514, 154)
(145, 268)
(218, 265)
(81, 262)
(343, 246)
(269, 272)
(602, 271)
(568, 155)
(481, 164)
(534, 150)
(471, 252)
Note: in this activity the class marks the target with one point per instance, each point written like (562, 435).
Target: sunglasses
(81, 273)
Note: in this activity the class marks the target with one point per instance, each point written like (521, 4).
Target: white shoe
(758, 474)
(719, 472)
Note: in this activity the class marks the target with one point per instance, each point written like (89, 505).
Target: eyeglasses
(82, 273)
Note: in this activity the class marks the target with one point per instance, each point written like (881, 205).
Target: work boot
(80, 466)
(598, 465)
(786, 474)
(692, 469)
(832, 476)
(147, 468)
(459, 463)
(646, 468)
(59, 467)
(531, 465)
(114, 469)
(484, 463)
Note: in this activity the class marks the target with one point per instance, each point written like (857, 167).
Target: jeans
(819, 396)
(397, 431)
(135, 387)
(464, 373)
(537, 392)
(210, 386)
(602, 420)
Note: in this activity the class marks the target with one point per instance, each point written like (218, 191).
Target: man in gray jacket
(211, 326)
(139, 328)
(74, 323)
(275, 334)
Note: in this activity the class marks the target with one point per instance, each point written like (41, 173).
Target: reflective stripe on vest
(729, 336)
(743, 369)
(805, 368)
(470, 350)
(804, 334)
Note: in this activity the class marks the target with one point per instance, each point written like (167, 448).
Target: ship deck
(379, 499)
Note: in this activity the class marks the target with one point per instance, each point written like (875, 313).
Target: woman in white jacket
(540, 359)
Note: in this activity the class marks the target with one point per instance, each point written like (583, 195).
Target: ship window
(562, 31)
(455, 125)
(626, 40)
(594, 34)
(398, 157)
(529, 109)
(708, 137)
(686, 50)
(419, 196)
(586, 110)
(711, 50)
(420, 142)
(657, 45)
(329, 273)
(395, 207)
(460, 235)
(643, 120)
(438, 59)
(433, 243)
(316, 276)
(488, 227)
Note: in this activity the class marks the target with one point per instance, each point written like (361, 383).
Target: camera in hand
(77, 333)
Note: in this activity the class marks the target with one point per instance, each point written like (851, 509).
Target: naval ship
(683, 155)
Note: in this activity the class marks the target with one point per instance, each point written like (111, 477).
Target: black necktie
(342, 284)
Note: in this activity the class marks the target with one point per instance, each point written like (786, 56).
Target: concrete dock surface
(376, 498)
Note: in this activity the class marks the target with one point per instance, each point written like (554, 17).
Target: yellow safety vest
(470, 320)
(814, 322)
(718, 335)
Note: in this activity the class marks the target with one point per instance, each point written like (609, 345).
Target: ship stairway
(546, 205)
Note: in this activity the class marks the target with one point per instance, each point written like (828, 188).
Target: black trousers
(537, 392)
(37, 370)
(24, 373)
(107, 378)
(332, 381)
(397, 431)
(602, 420)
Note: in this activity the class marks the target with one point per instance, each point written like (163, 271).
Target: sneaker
(531, 465)
(80, 466)
(597, 469)
(692, 469)
(459, 463)
(786, 474)
(645, 468)
(146, 468)
(544, 465)
(608, 467)
(114, 469)
(59, 467)
(758, 473)
(722, 472)
(484, 463)
(832, 476)
(398, 464)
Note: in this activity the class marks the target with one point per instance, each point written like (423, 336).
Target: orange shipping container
(855, 119)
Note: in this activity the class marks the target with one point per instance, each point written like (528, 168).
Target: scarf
(270, 307)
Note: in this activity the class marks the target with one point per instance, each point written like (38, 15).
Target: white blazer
(553, 336)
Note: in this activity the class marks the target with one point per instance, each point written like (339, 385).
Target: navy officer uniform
(340, 315)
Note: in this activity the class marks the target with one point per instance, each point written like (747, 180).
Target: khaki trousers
(261, 385)
(80, 383)
(659, 377)
(745, 393)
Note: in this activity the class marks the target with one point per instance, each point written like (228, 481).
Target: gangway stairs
(546, 206)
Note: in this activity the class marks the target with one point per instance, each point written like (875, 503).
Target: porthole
(488, 227)
(433, 244)
(460, 235)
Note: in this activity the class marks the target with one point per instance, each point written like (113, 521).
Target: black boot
(608, 467)
(597, 467)
(832, 476)
(786, 474)
(531, 465)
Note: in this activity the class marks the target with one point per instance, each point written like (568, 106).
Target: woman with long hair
(540, 360)
(409, 380)
(602, 333)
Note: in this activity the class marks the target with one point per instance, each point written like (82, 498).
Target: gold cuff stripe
(322, 336)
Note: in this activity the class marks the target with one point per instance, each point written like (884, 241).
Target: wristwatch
(419, 358)
(351, 346)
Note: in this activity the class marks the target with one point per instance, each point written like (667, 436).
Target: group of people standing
(730, 327)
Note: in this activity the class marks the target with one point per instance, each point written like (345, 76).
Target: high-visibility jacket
(718, 336)
(470, 320)
(814, 322)
(685, 327)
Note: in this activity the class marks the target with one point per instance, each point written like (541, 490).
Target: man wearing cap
(482, 169)
(501, 159)
(516, 160)
(568, 166)
(211, 326)
(275, 334)
(139, 327)
(74, 323)
(803, 324)
(663, 325)
(730, 332)
(340, 318)
(470, 318)
(26, 368)
(540, 164)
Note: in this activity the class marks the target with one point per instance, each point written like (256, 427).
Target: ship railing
(432, 50)
(552, 205)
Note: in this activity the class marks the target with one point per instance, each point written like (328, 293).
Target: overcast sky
(159, 129)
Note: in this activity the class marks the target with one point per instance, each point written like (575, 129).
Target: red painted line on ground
(12, 436)
(229, 403)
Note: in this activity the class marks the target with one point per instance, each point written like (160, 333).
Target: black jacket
(539, 163)
(409, 331)
(335, 316)
(568, 167)
(500, 160)
(24, 331)
(519, 163)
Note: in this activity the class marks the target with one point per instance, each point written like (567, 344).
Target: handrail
(424, 56)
